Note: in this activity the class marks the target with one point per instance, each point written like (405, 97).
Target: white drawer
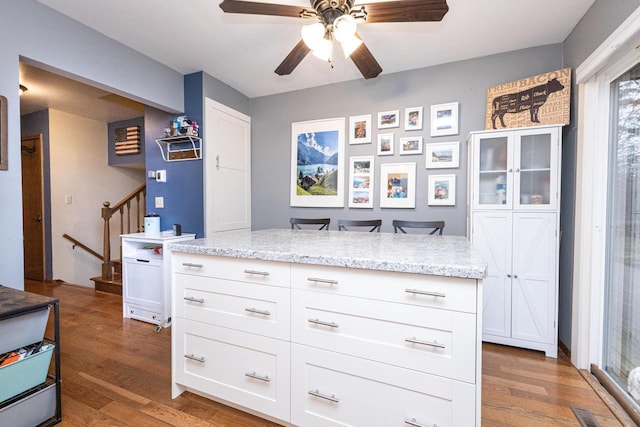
(330, 389)
(259, 309)
(449, 293)
(133, 311)
(245, 369)
(439, 342)
(239, 269)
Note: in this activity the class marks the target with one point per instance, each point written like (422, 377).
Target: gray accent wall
(35, 33)
(598, 23)
(465, 82)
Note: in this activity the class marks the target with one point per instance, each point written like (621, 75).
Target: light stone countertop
(451, 256)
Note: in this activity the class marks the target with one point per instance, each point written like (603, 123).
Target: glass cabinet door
(536, 169)
(494, 174)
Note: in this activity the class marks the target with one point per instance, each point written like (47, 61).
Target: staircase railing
(138, 198)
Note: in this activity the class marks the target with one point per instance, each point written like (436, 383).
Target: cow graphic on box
(527, 100)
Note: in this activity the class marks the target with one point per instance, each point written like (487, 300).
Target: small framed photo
(413, 118)
(398, 185)
(361, 185)
(444, 119)
(385, 144)
(389, 119)
(360, 129)
(411, 145)
(443, 155)
(442, 190)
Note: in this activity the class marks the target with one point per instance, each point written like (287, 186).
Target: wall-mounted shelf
(176, 148)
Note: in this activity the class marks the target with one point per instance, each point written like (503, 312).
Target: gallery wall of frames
(318, 158)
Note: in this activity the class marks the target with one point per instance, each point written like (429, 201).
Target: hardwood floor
(117, 372)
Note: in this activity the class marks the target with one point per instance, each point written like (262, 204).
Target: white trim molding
(594, 76)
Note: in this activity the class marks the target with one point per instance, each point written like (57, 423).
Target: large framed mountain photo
(317, 163)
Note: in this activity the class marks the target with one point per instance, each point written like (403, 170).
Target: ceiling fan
(337, 19)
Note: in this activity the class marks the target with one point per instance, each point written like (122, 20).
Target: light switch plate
(161, 176)
(159, 202)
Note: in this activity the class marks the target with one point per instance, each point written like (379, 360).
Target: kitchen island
(331, 328)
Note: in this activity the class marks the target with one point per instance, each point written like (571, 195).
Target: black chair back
(296, 222)
(438, 226)
(374, 223)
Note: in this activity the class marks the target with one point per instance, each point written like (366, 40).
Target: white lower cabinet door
(245, 369)
(534, 288)
(492, 235)
(332, 389)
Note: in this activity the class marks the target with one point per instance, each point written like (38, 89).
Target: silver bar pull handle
(317, 393)
(320, 280)
(190, 264)
(428, 293)
(414, 340)
(258, 377)
(194, 299)
(259, 273)
(194, 357)
(323, 323)
(413, 422)
(256, 311)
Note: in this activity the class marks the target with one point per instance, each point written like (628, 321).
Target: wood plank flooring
(117, 372)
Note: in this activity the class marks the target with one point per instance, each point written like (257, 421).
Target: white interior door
(492, 238)
(227, 168)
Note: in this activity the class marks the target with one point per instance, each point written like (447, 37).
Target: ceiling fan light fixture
(344, 28)
(323, 50)
(350, 44)
(313, 35)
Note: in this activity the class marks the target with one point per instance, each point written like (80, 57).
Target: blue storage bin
(24, 374)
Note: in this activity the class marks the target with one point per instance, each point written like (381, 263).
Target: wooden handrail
(83, 246)
(140, 196)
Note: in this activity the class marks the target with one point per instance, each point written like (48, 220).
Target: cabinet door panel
(143, 283)
(534, 276)
(492, 238)
(493, 173)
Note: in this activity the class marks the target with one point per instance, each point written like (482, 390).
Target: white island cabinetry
(322, 339)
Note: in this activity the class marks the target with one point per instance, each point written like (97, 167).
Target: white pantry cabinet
(514, 223)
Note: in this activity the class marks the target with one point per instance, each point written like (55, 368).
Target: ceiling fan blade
(405, 11)
(366, 63)
(293, 59)
(256, 8)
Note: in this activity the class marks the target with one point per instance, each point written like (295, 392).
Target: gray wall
(35, 33)
(465, 82)
(599, 22)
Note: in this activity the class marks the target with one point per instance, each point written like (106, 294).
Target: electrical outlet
(68, 199)
(159, 202)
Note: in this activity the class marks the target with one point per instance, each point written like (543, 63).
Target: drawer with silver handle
(229, 268)
(449, 293)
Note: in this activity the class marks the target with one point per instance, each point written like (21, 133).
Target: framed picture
(385, 144)
(360, 129)
(317, 163)
(413, 118)
(389, 119)
(444, 119)
(443, 155)
(361, 182)
(442, 190)
(398, 185)
(411, 145)
(4, 165)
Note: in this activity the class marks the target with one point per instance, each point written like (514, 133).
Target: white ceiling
(244, 50)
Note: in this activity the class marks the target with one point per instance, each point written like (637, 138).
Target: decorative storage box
(32, 410)
(23, 330)
(24, 374)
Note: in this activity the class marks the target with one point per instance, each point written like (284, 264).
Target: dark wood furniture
(373, 223)
(438, 226)
(296, 222)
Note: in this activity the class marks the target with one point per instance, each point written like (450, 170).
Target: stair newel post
(107, 271)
